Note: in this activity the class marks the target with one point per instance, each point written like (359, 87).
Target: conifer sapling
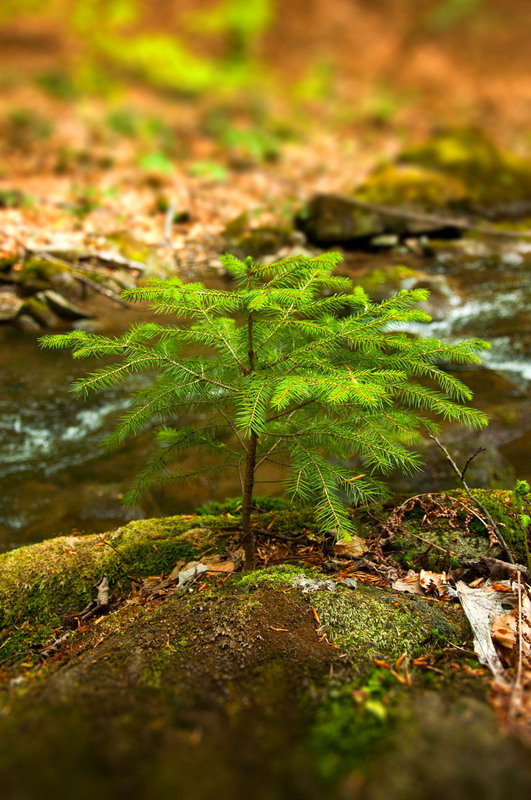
(294, 365)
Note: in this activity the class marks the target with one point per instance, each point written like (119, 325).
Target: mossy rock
(10, 305)
(369, 623)
(38, 309)
(490, 179)
(228, 693)
(436, 544)
(415, 186)
(334, 219)
(455, 172)
(440, 741)
(38, 273)
(240, 686)
(40, 582)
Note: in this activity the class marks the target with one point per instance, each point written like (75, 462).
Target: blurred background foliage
(198, 46)
(365, 59)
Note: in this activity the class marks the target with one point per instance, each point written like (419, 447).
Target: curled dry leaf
(351, 548)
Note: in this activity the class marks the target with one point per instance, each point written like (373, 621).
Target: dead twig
(460, 474)
(470, 460)
(102, 290)
(168, 223)
(444, 550)
(113, 259)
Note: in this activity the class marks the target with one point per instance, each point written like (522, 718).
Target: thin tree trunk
(250, 462)
(248, 486)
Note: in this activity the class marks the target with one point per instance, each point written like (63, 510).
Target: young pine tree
(296, 366)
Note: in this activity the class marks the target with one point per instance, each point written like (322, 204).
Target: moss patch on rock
(412, 185)
(42, 581)
(457, 169)
(369, 623)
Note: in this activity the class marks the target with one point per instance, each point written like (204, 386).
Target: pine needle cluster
(294, 365)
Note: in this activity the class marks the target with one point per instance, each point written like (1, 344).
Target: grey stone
(10, 305)
(61, 306)
(27, 324)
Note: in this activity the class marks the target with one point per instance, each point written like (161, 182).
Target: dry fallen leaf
(431, 581)
(351, 548)
(504, 630)
(408, 584)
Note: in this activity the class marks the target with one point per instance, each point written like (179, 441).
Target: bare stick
(168, 223)
(101, 290)
(474, 499)
(516, 695)
(470, 460)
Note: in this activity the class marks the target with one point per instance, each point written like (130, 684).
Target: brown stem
(248, 486)
(248, 535)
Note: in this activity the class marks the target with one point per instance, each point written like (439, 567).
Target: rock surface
(10, 304)
(238, 685)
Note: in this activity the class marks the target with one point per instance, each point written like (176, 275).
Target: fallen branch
(102, 290)
(113, 259)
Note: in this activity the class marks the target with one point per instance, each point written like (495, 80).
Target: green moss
(233, 505)
(13, 198)
(463, 151)
(22, 639)
(371, 623)
(458, 169)
(271, 577)
(345, 735)
(491, 177)
(130, 247)
(400, 184)
(44, 580)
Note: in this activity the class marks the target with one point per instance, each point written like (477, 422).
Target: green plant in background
(209, 169)
(301, 369)
(522, 504)
(447, 13)
(112, 29)
(242, 24)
